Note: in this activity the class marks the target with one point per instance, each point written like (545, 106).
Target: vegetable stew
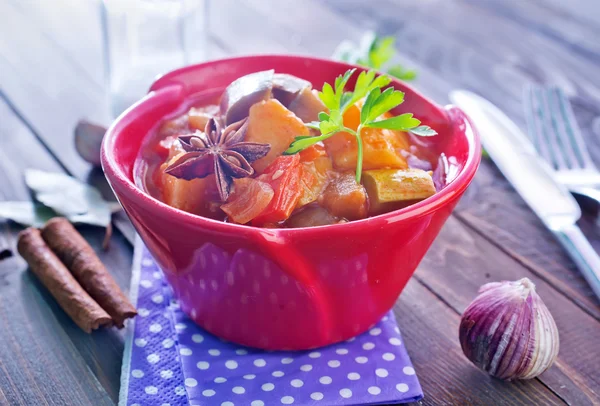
(270, 151)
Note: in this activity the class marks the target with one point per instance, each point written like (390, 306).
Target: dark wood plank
(52, 92)
(429, 329)
(460, 261)
(57, 26)
(47, 359)
(574, 31)
(500, 215)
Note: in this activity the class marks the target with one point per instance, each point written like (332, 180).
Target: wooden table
(51, 75)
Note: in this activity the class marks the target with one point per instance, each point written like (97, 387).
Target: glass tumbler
(146, 38)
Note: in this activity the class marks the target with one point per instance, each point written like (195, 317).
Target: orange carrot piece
(313, 152)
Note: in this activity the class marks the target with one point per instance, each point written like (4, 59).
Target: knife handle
(582, 252)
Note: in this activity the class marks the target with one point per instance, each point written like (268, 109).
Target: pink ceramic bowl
(284, 288)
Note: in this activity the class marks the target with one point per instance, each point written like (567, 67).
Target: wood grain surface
(51, 76)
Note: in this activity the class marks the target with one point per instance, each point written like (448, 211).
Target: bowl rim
(115, 173)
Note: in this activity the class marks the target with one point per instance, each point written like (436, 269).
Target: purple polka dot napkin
(169, 360)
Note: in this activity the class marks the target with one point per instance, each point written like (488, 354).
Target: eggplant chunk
(307, 105)
(343, 197)
(287, 87)
(242, 93)
(311, 216)
(392, 189)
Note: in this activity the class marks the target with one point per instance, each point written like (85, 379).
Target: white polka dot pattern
(174, 361)
(166, 374)
(287, 400)
(137, 373)
(316, 396)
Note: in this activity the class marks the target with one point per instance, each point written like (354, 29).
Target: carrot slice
(313, 152)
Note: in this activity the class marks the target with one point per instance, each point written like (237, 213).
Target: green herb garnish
(373, 52)
(377, 102)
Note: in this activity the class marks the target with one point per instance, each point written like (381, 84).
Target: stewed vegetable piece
(392, 189)
(271, 123)
(284, 177)
(249, 199)
(345, 198)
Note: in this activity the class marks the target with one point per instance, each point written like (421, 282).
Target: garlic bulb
(508, 331)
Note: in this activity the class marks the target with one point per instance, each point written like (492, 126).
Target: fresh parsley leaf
(377, 102)
(385, 102)
(368, 104)
(327, 96)
(382, 50)
(327, 127)
(365, 83)
(373, 52)
(403, 122)
(323, 116)
(340, 85)
(402, 73)
(423, 131)
(303, 142)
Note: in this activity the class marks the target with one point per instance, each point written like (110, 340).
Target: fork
(557, 138)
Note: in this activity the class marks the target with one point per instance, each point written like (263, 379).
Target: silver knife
(518, 161)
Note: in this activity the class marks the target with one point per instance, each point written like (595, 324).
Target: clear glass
(145, 38)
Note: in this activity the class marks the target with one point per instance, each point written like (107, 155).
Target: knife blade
(517, 159)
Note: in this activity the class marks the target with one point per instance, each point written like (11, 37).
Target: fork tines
(554, 130)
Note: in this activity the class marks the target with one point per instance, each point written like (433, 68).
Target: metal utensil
(533, 179)
(557, 138)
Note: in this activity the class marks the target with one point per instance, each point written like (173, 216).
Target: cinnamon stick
(71, 297)
(77, 255)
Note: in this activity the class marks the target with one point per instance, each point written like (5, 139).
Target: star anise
(218, 150)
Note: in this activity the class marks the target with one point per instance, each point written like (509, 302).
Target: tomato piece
(284, 177)
(313, 152)
(249, 198)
